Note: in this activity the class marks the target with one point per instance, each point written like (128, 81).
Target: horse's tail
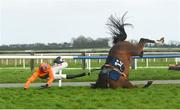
(116, 27)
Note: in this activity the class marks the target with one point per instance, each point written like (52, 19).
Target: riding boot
(71, 76)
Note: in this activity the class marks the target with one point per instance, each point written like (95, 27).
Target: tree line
(79, 42)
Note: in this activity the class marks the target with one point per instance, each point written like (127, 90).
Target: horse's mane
(116, 27)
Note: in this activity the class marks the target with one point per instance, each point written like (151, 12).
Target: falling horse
(114, 73)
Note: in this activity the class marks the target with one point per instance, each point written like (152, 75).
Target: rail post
(147, 62)
(176, 60)
(83, 61)
(32, 62)
(88, 63)
(134, 63)
(24, 63)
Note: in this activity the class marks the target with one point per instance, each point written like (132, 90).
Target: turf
(155, 97)
(20, 76)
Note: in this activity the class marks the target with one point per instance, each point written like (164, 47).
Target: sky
(57, 21)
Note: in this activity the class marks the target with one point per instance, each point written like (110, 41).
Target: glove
(45, 86)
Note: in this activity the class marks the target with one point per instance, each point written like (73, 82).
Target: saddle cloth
(116, 64)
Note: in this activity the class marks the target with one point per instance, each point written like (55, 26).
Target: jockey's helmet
(58, 60)
(43, 67)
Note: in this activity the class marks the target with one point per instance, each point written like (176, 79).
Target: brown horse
(114, 73)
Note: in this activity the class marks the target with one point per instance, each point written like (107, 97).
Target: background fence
(86, 61)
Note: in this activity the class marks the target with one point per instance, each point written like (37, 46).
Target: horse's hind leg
(138, 50)
(127, 84)
(121, 83)
(101, 82)
(142, 42)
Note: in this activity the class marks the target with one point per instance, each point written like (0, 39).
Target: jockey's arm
(51, 77)
(31, 79)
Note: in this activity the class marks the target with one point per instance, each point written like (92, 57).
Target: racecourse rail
(88, 62)
(93, 57)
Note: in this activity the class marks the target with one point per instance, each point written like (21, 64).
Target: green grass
(20, 76)
(157, 96)
(154, 74)
(157, 62)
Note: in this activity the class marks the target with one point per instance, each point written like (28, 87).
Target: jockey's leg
(57, 72)
(71, 76)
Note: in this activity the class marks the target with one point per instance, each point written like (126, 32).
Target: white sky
(47, 21)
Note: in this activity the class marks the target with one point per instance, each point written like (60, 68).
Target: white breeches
(57, 70)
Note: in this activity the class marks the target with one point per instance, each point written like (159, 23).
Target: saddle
(112, 70)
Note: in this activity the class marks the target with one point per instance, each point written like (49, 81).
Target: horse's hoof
(148, 84)
(160, 41)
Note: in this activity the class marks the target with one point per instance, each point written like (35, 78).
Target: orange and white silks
(44, 74)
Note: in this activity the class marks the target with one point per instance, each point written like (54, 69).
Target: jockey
(45, 71)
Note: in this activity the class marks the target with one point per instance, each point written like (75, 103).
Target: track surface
(20, 85)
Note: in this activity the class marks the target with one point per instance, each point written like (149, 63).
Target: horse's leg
(127, 84)
(143, 41)
(141, 45)
(121, 83)
(101, 82)
(115, 84)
